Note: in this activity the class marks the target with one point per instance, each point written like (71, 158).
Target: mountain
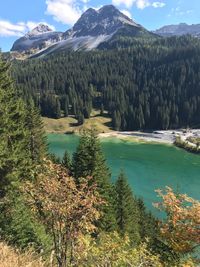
(40, 37)
(92, 29)
(180, 29)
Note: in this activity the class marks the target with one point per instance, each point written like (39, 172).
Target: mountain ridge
(179, 30)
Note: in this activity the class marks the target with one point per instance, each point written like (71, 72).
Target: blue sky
(19, 16)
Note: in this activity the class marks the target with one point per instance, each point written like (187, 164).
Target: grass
(69, 124)
(12, 258)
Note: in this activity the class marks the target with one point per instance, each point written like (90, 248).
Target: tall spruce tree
(66, 161)
(127, 214)
(18, 155)
(148, 226)
(14, 154)
(36, 141)
(89, 160)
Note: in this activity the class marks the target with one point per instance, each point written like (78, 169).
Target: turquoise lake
(148, 166)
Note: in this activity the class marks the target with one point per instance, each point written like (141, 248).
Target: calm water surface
(148, 166)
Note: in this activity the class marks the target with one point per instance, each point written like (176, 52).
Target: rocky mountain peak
(40, 29)
(104, 21)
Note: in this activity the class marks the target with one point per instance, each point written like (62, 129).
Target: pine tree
(116, 120)
(20, 227)
(36, 136)
(66, 106)
(80, 118)
(66, 161)
(20, 149)
(89, 160)
(57, 112)
(126, 210)
(148, 226)
(14, 154)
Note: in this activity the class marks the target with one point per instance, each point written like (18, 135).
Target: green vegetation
(69, 212)
(22, 148)
(142, 84)
(89, 161)
(127, 212)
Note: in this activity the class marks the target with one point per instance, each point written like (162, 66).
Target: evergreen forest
(141, 83)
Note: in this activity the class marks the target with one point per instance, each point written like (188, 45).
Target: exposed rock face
(105, 21)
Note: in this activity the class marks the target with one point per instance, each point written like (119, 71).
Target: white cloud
(9, 29)
(129, 3)
(158, 4)
(65, 11)
(19, 29)
(141, 4)
(178, 12)
(127, 13)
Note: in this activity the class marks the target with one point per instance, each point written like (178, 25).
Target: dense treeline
(69, 211)
(148, 85)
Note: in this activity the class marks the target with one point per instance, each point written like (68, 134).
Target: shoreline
(102, 124)
(160, 136)
(138, 136)
(123, 136)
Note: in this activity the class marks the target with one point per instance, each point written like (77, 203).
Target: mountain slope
(180, 29)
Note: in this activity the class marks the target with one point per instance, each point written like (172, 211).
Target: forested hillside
(142, 84)
(67, 212)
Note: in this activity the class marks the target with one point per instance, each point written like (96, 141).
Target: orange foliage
(182, 228)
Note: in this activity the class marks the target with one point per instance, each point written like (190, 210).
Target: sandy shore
(167, 137)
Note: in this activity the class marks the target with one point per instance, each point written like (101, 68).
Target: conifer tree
(20, 227)
(36, 136)
(57, 113)
(126, 210)
(14, 154)
(89, 160)
(66, 161)
(148, 226)
(20, 149)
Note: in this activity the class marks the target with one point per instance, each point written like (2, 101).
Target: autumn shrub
(110, 249)
(180, 230)
(67, 210)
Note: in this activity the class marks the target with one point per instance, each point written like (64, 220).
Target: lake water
(148, 166)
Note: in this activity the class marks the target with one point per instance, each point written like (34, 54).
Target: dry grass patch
(11, 258)
(69, 124)
(62, 125)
